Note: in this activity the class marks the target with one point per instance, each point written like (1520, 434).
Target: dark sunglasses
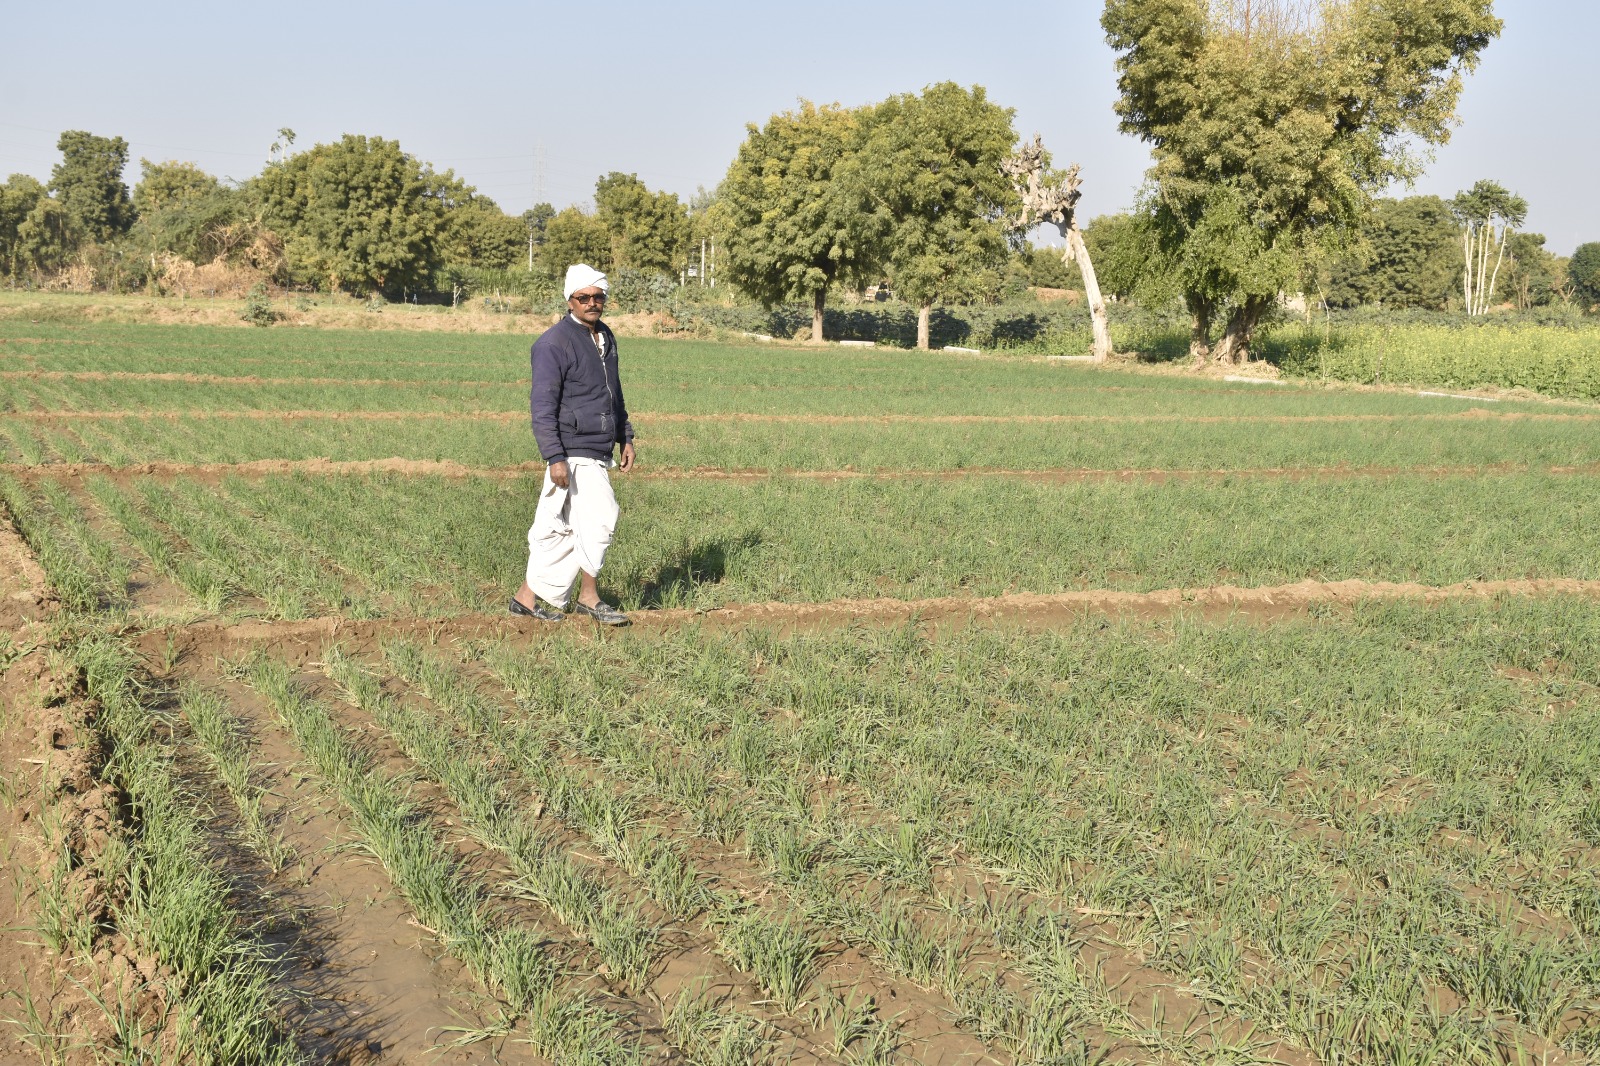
(587, 298)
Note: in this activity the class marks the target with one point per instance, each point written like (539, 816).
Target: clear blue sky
(665, 90)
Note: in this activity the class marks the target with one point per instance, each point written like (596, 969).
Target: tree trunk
(1466, 277)
(1200, 331)
(1091, 292)
(1494, 279)
(1235, 344)
(816, 315)
(924, 313)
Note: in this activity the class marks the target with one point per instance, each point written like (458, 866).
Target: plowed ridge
(811, 419)
(1055, 475)
(1029, 609)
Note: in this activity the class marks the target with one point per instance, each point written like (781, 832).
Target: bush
(258, 307)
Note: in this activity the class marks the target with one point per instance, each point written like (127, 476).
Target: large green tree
(359, 214)
(186, 212)
(88, 183)
(1121, 247)
(574, 236)
(1273, 124)
(649, 231)
(1583, 269)
(1408, 256)
(19, 196)
(931, 166)
(793, 227)
(477, 233)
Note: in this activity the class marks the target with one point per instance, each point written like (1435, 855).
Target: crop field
(974, 710)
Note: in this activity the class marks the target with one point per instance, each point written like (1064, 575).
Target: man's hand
(559, 474)
(627, 457)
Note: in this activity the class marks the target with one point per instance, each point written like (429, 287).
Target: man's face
(588, 304)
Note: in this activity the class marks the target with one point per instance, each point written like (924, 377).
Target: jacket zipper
(605, 375)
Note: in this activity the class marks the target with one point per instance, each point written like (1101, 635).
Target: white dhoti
(571, 529)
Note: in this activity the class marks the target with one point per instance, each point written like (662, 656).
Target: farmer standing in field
(578, 419)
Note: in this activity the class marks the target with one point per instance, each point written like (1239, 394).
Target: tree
(1584, 271)
(185, 212)
(536, 219)
(793, 226)
(477, 233)
(88, 183)
(1272, 126)
(1120, 247)
(1533, 274)
(1406, 257)
(49, 236)
(359, 214)
(932, 166)
(573, 236)
(1044, 268)
(18, 198)
(649, 231)
(1051, 197)
(1488, 213)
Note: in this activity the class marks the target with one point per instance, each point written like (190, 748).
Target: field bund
(974, 710)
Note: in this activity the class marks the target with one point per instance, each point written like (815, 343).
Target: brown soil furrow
(1063, 475)
(235, 379)
(1037, 610)
(1474, 414)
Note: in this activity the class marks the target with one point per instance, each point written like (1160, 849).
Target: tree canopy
(88, 183)
(930, 165)
(360, 213)
(648, 231)
(1584, 271)
(1271, 131)
(793, 225)
(1409, 256)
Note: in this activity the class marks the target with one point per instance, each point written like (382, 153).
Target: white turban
(581, 276)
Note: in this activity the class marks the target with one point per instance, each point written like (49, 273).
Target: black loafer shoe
(603, 613)
(539, 611)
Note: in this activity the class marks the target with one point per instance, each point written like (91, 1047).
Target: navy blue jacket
(576, 401)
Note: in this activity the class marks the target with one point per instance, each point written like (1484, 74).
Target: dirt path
(1054, 475)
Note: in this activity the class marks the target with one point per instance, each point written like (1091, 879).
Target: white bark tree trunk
(1494, 279)
(924, 314)
(1091, 292)
(816, 316)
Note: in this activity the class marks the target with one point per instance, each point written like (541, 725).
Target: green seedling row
(869, 445)
(1028, 839)
(774, 950)
(775, 830)
(448, 900)
(669, 372)
(211, 587)
(84, 573)
(449, 546)
(621, 933)
(175, 901)
(217, 734)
